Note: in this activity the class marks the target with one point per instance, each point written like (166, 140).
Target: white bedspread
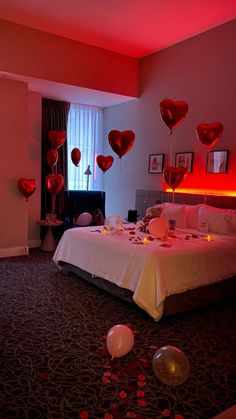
(151, 271)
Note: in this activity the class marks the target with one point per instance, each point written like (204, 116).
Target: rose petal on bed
(43, 376)
(166, 245)
(108, 416)
(102, 351)
(141, 377)
(131, 415)
(179, 416)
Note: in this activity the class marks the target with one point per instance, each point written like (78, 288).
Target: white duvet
(150, 270)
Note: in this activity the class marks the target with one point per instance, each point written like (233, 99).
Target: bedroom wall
(13, 165)
(200, 71)
(34, 165)
(45, 56)
(20, 117)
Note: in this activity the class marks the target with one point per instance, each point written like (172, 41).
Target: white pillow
(177, 213)
(218, 220)
(192, 215)
(173, 211)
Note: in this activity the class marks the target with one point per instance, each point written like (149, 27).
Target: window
(84, 131)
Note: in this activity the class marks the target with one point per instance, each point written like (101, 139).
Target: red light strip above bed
(203, 192)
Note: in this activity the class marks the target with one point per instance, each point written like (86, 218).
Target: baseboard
(14, 251)
(34, 243)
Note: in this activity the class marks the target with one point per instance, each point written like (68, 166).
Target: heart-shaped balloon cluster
(173, 113)
(26, 187)
(209, 134)
(54, 183)
(76, 156)
(104, 162)
(57, 138)
(52, 157)
(174, 176)
(121, 141)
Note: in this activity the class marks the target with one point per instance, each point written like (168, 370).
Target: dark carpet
(54, 362)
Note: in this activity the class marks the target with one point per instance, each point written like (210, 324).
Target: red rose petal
(140, 393)
(131, 415)
(107, 374)
(106, 366)
(115, 377)
(43, 376)
(142, 402)
(153, 346)
(141, 377)
(108, 416)
(84, 414)
(179, 417)
(105, 380)
(141, 383)
(166, 412)
(122, 394)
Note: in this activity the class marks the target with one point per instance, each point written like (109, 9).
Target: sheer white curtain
(84, 131)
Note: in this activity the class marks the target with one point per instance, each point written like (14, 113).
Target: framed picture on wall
(217, 161)
(156, 163)
(184, 160)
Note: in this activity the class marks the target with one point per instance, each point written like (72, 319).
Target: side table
(49, 243)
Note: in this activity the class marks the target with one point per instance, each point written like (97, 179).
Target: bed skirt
(188, 300)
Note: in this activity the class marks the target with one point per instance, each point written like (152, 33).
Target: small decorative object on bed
(114, 223)
(156, 163)
(217, 161)
(158, 227)
(184, 160)
(171, 365)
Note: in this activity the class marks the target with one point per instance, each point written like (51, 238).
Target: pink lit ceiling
(133, 27)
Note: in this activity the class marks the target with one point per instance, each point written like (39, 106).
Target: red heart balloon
(75, 156)
(121, 141)
(57, 138)
(209, 134)
(174, 176)
(54, 183)
(52, 157)
(26, 187)
(104, 162)
(173, 113)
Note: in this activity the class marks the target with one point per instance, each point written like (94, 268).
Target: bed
(189, 269)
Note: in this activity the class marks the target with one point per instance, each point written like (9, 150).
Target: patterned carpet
(54, 362)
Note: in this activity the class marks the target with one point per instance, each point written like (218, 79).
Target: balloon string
(171, 151)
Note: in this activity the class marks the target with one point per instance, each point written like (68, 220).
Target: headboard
(147, 198)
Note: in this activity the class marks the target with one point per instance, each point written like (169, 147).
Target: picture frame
(217, 161)
(184, 159)
(156, 163)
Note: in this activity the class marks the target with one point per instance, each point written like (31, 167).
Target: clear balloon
(159, 227)
(84, 219)
(171, 365)
(119, 340)
(114, 223)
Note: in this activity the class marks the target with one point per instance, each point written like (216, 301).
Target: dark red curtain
(54, 117)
